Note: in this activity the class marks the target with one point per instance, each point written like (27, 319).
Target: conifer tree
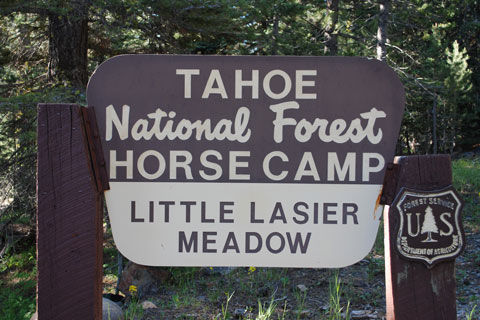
(429, 225)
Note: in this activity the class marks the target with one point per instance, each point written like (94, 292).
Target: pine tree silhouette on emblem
(429, 225)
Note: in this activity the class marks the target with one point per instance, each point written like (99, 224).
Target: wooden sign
(430, 225)
(265, 161)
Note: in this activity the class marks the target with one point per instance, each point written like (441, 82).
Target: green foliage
(280, 27)
(17, 287)
(23, 53)
(466, 175)
(376, 266)
(336, 309)
(378, 247)
(466, 179)
(458, 82)
(225, 314)
(419, 50)
(16, 303)
(109, 260)
(420, 39)
(472, 313)
(22, 261)
(18, 150)
(458, 86)
(17, 193)
(300, 297)
(171, 26)
(265, 312)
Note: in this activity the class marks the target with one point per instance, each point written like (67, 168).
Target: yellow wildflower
(132, 289)
(251, 270)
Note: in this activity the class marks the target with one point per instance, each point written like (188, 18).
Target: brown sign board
(266, 161)
(430, 225)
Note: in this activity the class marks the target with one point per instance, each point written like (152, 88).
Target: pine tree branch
(26, 6)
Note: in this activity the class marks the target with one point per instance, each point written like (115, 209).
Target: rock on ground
(143, 278)
(111, 311)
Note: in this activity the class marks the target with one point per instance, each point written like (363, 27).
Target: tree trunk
(275, 35)
(382, 30)
(434, 129)
(331, 43)
(68, 33)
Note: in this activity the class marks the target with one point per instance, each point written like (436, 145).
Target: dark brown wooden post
(69, 218)
(412, 290)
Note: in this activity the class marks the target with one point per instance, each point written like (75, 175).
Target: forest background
(49, 48)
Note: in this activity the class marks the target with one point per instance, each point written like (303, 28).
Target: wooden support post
(414, 291)
(69, 218)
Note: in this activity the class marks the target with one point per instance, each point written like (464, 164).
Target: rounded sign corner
(99, 69)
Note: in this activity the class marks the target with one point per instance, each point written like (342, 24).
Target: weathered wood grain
(95, 149)
(69, 219)
(412, 290)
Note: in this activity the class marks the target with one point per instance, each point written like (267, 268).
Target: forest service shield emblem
(429, 225)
